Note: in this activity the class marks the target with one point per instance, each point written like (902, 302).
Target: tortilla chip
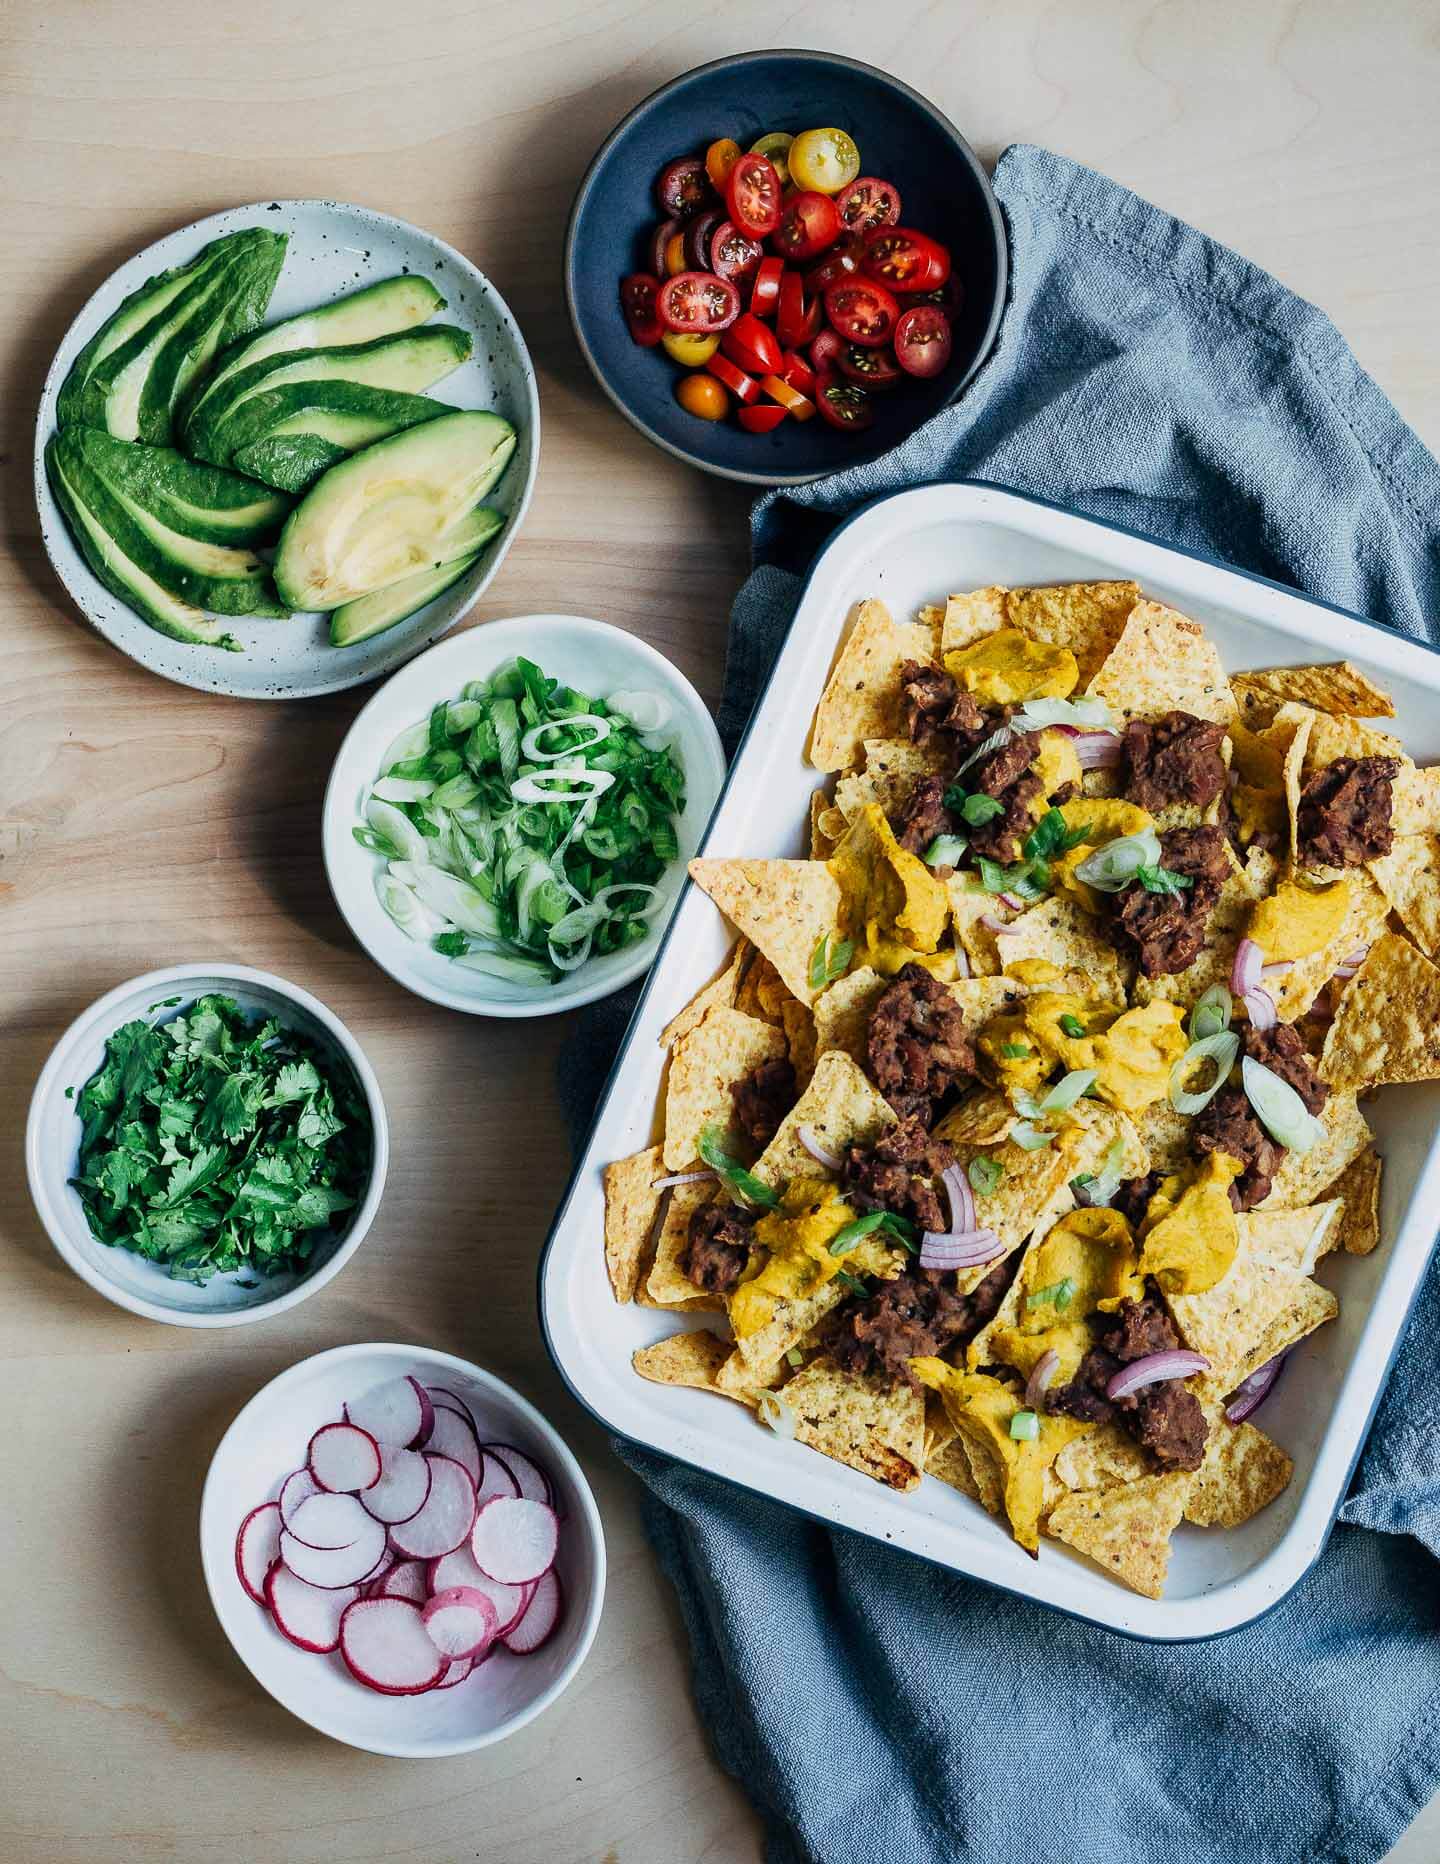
(1085, 618)
(930, 615)
(892, 769)
(970, 616)
(822, 845)
(1387, 1025)
(986, 1474)
(631, 1206)
(1337, 686)
(970, 906)
(1163, 661)
(1022, 1197)
(1126, 1529)
(783, 907)
(839, 1107)
(950, 1464)
(1257, 1309)
(720, 1052)
(667, 1284)
(1165, 1134)
(1415, 809)
(799, 1027)
(982, 1119)
(862, 696)
(1409, 877)
(1304, 1176)
(872, 1426)
(692, 1359)
(1064, 933)
(842, 1013)
(1296, 1239)
(1102, 1459)
(1228, 920)
(721, 990)
(1298, 987)
(1292, 776)
(1242, 1473)
(1358, 1188)
(758, 1360)
(762, 990)
(1332, 737)
(1254, 759)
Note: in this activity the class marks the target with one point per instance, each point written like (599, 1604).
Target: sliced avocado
(379, 516)
(124, 578)
(342, 417)
(378, 311)
(371, 614)
(239, 296)
(205, 502)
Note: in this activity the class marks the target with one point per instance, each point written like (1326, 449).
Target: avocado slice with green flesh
(379, 515)
(380, 310)
(204, 502)
(215, 577)
(271, 391)
(293, 453)
(241, 293)
(125, 579)
(372, 614)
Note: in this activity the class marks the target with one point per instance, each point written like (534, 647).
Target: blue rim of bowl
(737, 61)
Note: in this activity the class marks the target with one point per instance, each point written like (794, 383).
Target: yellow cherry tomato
(703, 396)
(691, 351)
(720, 158)
(774, 145)
(824, 159)
(675, 255)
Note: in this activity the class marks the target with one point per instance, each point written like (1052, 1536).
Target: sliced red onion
(1000, 927)
(1153, 1369)
(1251, 1393)
(682, 1177)
(1097, 750)
(962, 963)
(962, 1198)
(1036, 1386)
(959, 1249)
(1260, 1006)
(830, 1160)
(1353, 963)
(1249, 962)
(1014, 902)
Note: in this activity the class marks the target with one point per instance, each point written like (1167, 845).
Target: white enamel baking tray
(908, 549)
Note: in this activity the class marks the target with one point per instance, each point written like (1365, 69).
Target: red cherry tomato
(797, 319)
(765, 292)
(762, 420)
(810, 224)
(697, 239)
(752, 194)
(825, 349)
(842, 261)
(950, 297)
(904, 260)
(658, 244)
(697, 303)
(637, 299)
(862, 311)
(797, 372)
(868, 203)
(753, 345)
(733, 254)
(743, 387)
(843, 404)
(922, 340)
(871, 368)
(682, 187)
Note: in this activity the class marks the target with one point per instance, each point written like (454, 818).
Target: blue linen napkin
(876, 1708)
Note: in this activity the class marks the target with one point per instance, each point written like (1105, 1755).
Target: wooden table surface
(142, 824)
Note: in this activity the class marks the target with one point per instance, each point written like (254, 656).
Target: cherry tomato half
(698, 303)
(659, 241)
(843, 404)
(825, 350)
(753, 195)
(869, 203)
(702, 396)
(637, 300)
(720, 158)
(799, 407)
(743, 387)
(765, 292)
(762, 420)
(733, 254)
(774, 145)
(871, 368)
(922, 340)
(797, 319)
(698, 239)
(905, 260)
(842, 261)
(798, 373)
(809, 224)
(824, 159)
(753, 345)
(682, 187)
(862, 311)
(690, 351)
(675, 261)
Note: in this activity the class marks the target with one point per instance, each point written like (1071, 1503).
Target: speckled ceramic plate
(334, 249)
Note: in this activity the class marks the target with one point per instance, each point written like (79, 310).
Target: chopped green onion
(772, 1409)
(1016, 1051)
(1211, 1014)
(1059, 1295)
(980, 809)
(743, 1183)
(945, 851)
(984, 1174)
(1029, 1138)
(1162, 880)
(1072, 1026)
(1084, 714)
(1000, 736)
(1115, 864)
(1025, 1427)
(1068, 1089)
(1220, 1051)
(1052, 836)
(826, 964)
(852, 1282)
(795, 1357)
(450, 944)
(1279, 1108)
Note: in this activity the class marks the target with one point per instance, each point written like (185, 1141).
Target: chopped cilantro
(1059, 1295)
(1051, 836)
(984, 1174)
(826, 964)
(1072, 1026)
(900, 1228)
(450, 944)
(1162, 880)
(743, 1183)
(1016, 1051)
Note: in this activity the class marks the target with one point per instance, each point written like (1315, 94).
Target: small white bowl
(268, 1439)
(589, 655)
(52, 1145)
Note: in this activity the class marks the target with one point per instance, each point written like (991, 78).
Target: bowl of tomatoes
(782, 263)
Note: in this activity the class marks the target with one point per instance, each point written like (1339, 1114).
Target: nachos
(1007, 1143)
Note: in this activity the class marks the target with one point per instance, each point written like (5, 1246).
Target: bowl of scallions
(508, 821)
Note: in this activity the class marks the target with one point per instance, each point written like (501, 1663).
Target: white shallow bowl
(589, 655)
(333, 249)
(52, 1145)
(269, 1438)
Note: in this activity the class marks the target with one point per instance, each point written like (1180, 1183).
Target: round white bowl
(268, 1439)
(52, 1145)
(590, 655)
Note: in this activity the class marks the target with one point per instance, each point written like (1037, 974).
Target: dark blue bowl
(943, 189)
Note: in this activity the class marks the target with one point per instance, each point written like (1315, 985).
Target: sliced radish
(446, 1518)
(257, 1548)
(376, 1578)
(457, 1672)
(446, 1397)
(454, 1436)
(308, 1615)
(461, 1622)
(406, 1580)
(328, 1521)
(333, 1567)
(398, 1413)
(459, 1569)
(530, 1478)
(515, 1540)
(495, 1479)
(297, 1487)
(344, 1459)
(542, 1616)
(403, 1488)
(386, 1646)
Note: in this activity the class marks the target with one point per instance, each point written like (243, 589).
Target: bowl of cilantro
(207, 1145)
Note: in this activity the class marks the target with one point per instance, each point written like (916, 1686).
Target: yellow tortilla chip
(1332, 737)
(1358, 1188)
(1296, 1239)
(1337, 686)
(1064, 933)
(1165, 1135)
(1293, 774)
(1254, 758)
(842, 1013)
(721, 990)
(692, 1359)
(759, 1359)
(784, 908)
(1228, 920)
(1409, 877)
(1242, 1473)
(631, 1206)
(762, 990)
(799, 1027)
(1296, 989)
(717, 1054)
(986, 1474)
(893, 766)
(1387, 1025)
(822, 844)
(982, 1119)
(950, 1463)
(1162, 661)
(1085, 618)
(969, 908)
(1415, 808)
(1257, 1309)
(862, 697)
(1304, 1176)
(667, 1284)
(839, 1108)
(1126, 1529)
(1103, 1459)
(872, 1426)
(967, 617)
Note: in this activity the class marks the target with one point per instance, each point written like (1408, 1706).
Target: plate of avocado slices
(285, 448)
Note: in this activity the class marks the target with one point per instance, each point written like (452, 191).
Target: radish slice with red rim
(333, 1567)
(446, 1398)
(541, 1620)
(398, 1413)
(308, 1615)
(257, 1548)
(403, 1488)
(530, 1479)
(344, 1459)
(376, 1579)
(297, 1487)
(328, 1521)
(405, 1580)
(459, 1569)
(385, 1645)
(515, 1540)
(447, 1517)
(458, 1671)
(454, 1436)
(460, 1621)
(495, 1479)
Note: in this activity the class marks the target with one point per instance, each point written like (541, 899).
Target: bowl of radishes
(402, 1550)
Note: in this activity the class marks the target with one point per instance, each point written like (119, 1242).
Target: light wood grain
(140, 823)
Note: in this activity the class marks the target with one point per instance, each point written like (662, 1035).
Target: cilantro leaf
(1162, 880)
